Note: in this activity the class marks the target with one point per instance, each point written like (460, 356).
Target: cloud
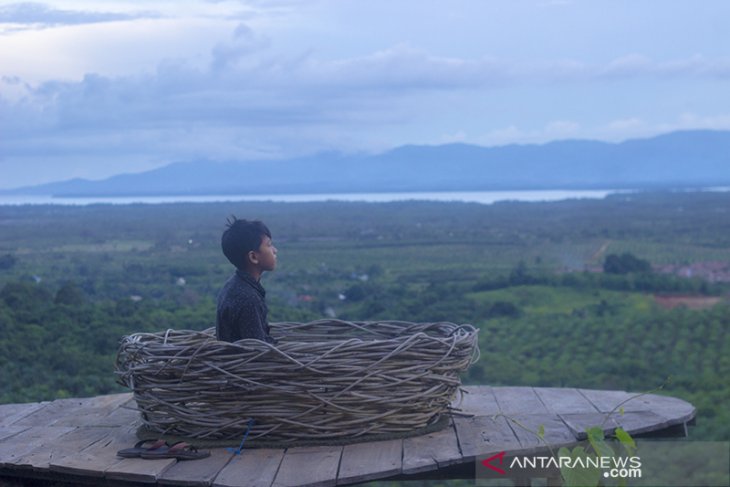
(245, 85)
(506, 135)
(39, 14)
(405, 67)
(264, 91)
(711, 122)
(244, 42)
(557, 3)
(271, 91)
(561, 129)
(452, 138)
(612, 131)
(634, 65)
(624, 128)
(626, 125)
(247, 99)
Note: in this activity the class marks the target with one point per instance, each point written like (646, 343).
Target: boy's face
(265, 256)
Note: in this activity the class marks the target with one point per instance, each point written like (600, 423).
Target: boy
(242, 311)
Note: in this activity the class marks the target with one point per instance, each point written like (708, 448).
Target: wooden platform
(76, 440)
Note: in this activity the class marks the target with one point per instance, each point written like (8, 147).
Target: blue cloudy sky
(95, 88)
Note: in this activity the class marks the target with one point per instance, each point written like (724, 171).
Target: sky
(90, 89)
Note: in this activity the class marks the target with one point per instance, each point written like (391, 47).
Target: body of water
(484, 197)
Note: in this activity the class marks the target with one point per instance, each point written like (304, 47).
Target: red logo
(487, 462)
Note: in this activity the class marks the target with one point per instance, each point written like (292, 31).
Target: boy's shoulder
(241, 287)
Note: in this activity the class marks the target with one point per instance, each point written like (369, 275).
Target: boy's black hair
(241, 237)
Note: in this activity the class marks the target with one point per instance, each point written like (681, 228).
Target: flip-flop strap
(182, 446)
(157, 444)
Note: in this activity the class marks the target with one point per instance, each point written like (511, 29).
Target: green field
(73, 280)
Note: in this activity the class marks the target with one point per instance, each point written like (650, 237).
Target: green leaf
(626, 440)
(598, 441)
(541, 431)
(595, 434)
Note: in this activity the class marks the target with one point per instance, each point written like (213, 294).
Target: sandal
(180, 451)
(138, 449)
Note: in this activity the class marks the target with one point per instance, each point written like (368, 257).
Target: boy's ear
(252, 258)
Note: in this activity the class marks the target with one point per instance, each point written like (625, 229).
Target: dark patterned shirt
(242, 311)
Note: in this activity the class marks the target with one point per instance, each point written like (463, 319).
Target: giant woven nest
(323, 380)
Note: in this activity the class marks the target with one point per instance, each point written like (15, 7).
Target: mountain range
(677, 159)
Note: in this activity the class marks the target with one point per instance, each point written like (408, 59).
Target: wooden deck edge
(494, 419)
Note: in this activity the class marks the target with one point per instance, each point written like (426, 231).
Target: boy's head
(247, 245)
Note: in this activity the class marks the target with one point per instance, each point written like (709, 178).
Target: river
(483, 197)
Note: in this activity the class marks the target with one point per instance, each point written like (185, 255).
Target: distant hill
(678, 159)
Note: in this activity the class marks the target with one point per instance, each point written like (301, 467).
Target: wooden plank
(139, 469)
(55, 411)
(432, 451)
(371, 460)
(128, 469)
(634, 422)
(527, 426)
(660, 412)
(94, 411)
(309, 466)
(482, 435)
(28, 440)
(107, 400)
(252, 468)
(10, 413)
(101, 460)
(578, 423)
(124, 415)
(637, 422)
(94, 461)
(606, 401)
(519, 400)
(563, 400)
(62, 446)
(9, 431)
(198, 472)
(675, 410)
(478, 401)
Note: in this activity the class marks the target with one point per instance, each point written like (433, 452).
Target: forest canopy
(565, 294)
